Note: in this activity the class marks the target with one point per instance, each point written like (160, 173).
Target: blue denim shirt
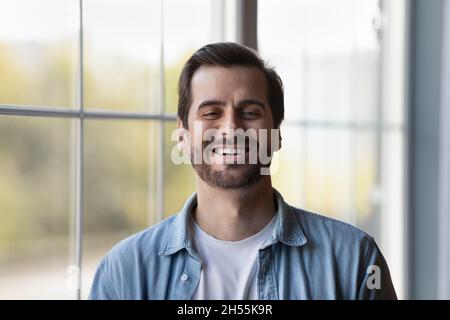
(308, 257)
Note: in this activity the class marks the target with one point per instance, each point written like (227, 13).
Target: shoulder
(141, 244)
(119, 274)
(328, 231)
(351, 253)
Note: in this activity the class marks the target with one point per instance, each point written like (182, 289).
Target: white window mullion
(79, 160)
(160, 150)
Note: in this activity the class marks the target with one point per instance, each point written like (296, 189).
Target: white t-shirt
(230, 268)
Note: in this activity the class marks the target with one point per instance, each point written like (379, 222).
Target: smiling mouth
(229, 150)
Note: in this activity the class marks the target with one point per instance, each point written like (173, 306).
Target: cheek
(197, 142)
(263, 123)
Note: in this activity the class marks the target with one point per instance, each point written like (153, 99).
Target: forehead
(225, 82)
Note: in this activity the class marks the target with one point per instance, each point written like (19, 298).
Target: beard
(232, 177)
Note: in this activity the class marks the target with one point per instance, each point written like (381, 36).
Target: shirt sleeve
(101, 288)
(376, 281)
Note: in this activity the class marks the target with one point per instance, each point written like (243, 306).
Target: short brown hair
(227, 54)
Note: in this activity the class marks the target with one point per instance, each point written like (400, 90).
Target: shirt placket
(267, 285)
(188, 279)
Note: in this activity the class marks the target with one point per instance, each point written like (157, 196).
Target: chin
(229, 176)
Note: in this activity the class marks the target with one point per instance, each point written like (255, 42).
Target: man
(236, 238)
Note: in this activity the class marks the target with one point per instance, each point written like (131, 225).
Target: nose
(229, 123)
(230, 120)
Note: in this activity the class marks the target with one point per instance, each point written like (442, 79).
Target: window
(87, 107)
(86, 116)
(36, 239)
(38, 56)
(343, 136)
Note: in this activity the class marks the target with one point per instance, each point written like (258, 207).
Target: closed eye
(250, 114)
(210, 115)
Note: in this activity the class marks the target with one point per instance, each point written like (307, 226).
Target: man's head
(229, 54)
(224, 87)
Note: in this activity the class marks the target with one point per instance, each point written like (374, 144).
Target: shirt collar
(287, 229)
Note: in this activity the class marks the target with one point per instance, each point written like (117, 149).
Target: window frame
(79, 114)
(246, 33)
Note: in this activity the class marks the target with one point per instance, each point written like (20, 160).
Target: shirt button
(184, 277)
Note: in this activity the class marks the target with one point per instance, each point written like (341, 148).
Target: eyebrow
(241, 103)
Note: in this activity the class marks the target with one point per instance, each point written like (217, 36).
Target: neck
(233, 215)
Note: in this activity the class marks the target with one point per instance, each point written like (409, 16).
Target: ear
(183, 144)
(180, 137)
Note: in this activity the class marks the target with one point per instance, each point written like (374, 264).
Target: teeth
(229, 151)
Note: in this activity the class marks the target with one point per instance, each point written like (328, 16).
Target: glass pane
(179, 180)
(122, 54)
(183, 35)
(328, 57)
(288, 171)
(340, 176)
(38, 52)
(120, 159)
(36, 243)
(330, 171)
